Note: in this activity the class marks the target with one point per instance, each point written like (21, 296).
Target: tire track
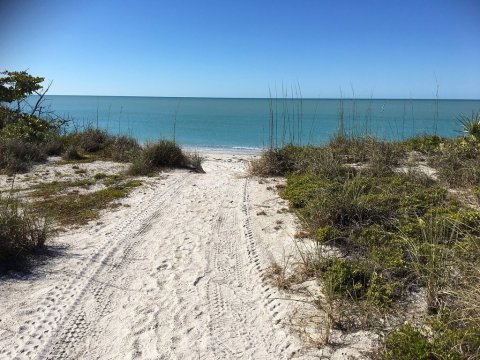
(60, 321)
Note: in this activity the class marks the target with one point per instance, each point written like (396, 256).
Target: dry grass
(22, 232)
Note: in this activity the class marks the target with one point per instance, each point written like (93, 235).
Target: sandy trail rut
(180, 277)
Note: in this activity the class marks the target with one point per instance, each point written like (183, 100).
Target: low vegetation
(383, 231)
(78, 209)
(22, 233)
(29, 134)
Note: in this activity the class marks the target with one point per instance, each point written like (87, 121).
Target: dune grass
(22, 233)
(396, 232)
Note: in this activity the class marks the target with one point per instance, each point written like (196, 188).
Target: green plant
(72, 154)
(407, 343)
(429, 257)
(326, 234)
(426, 144)
(17, 85)
(22, 232)
(123, 149)
(29, 128)
(347, 278)
(471, 125)
(93, 140)
(161, 154)
(18, 156)
(273, 162)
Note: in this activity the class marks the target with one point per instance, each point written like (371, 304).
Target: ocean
(220, 123)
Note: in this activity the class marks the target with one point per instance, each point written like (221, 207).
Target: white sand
(177, 273)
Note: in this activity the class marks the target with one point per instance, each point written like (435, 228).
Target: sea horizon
(267, 98)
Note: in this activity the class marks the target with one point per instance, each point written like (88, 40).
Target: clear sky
(222, 48)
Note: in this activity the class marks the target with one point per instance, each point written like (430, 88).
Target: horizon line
(268, 98)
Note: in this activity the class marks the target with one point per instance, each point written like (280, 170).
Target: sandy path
(177, 275)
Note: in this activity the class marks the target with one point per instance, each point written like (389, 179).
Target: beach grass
(397, 230)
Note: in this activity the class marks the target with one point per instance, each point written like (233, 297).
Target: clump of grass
(72, 154)
(162, 154)
(22, 232)
(123, 149)
(17, 156)
(195, 161)
(93, 140)
(458, 163)
(273, 162)
(377, 155)
(426, 144)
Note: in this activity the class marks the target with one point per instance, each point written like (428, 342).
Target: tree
(17, 85)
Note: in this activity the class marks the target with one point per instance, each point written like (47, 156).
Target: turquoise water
(246, 123)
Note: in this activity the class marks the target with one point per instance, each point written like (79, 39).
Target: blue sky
(384, 49)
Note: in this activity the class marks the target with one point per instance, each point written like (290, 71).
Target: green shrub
(439, 340)
(140, 166)
(273, 162)
(347, 278)
(29, 129)
(72, 153)
(427, 144)
(123, 149)
(327, 234)
(93, 140)
(21, 233)
(458, 163)
(380, 291)
(164, 153)
(161, 154)
(18, 156)
(408, 343)
(381, 156)
(53, 146)
(301, 189)
(99, 176)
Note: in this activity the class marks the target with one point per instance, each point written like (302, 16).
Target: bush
(347, 278)
(273, 162)
(53, 146)
(378, 154)
(18, 156)
(458, 162)
(407, 343)
(158, 155)
(93, 140)
(301, 189)
(123, 149)
(72, 154)
(426, 144)
(21, 233)
(438, 340)
(326, 234)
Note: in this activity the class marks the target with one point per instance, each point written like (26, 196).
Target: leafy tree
(17, 85)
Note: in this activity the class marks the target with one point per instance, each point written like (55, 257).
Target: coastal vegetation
(29, 134)
(394, 237)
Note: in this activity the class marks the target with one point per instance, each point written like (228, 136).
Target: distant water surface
(218, 123)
